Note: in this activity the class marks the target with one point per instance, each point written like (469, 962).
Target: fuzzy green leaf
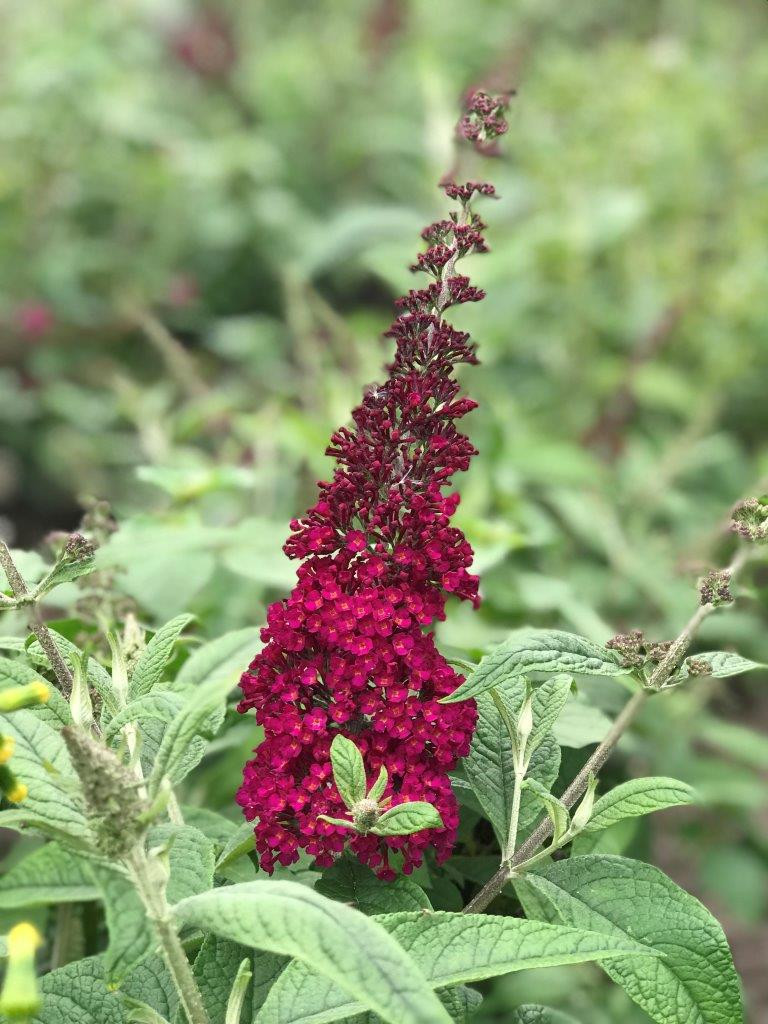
(556, 809)
(50, 874)
(41, 761)
(223, 658)
(407, 818)
(349, 949)
(348, 770)
(538, 650)
(637, 797)
(151, 665)
(449, 949)
(349, 881)
(78, 994)
(530, 1014)
(625, 899)
(489, 765)
(185, 739)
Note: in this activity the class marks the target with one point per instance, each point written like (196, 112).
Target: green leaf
(449, 949)
(14, 672)
(151, 665)
(131, 937)
(239, 844)
(161, 706)
(489, 766)
(50, 874)
(348, 948)
(348, 770)
(377, 789)
(407, 818)
(224, 658)
(349, 881)
(77, 994)
(66, 571)
(622, 898)
(215, 969)
(98, 677)
(531, 1014)
(185, 739)
(548, 702)
(190, 858)
(538, 650)
(238, 992)
(151, 983)
(556, 809)
(40, 760)
(580, 724)
(141, 1013)
(723, 664)
(637, 797)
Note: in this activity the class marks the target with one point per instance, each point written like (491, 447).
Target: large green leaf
(41, 761)
(151, 665)
(50, 874)
(350, 950)
(637, 797)
(160, 706)
(694, 981)
(538, 650)
(349, 881)
(450, 949)
(78, 994)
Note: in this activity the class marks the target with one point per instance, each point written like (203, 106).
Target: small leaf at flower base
(555, 808)
(694, 980)
(538, 650)
(348, 770)
(377, 789)
(532, 1014)
(338, 822)
(406, 818)
(347, 948)
(637, 797)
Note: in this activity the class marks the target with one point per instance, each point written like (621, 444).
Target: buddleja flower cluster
(350, 650)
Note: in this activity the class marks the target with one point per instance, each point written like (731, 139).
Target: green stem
(159, 912)
(514, 818)
(36, 624)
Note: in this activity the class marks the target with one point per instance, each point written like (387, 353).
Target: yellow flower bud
(20, 997)
(13, 698)
(7, 746)
(14, 790)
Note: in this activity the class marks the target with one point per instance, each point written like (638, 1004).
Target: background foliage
(204, 215)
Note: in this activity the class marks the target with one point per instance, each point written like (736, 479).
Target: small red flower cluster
(349, 651)
(484, 118)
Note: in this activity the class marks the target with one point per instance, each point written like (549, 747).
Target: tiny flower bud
(657, 652)
(7, 746)
(365, 814)
(78, 548)
(20, 997)
(714, 588)
(583, 812)
(750, 519)
(699, 667)
(13, 789)
(14, 698)
(631, 647)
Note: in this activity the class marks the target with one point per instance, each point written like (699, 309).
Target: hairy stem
(657, 680)
(36, 624)
(152, 895)
(514, 818)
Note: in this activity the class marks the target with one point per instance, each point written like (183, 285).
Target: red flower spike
(347, 651)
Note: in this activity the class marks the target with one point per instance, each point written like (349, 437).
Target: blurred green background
(205, 214)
